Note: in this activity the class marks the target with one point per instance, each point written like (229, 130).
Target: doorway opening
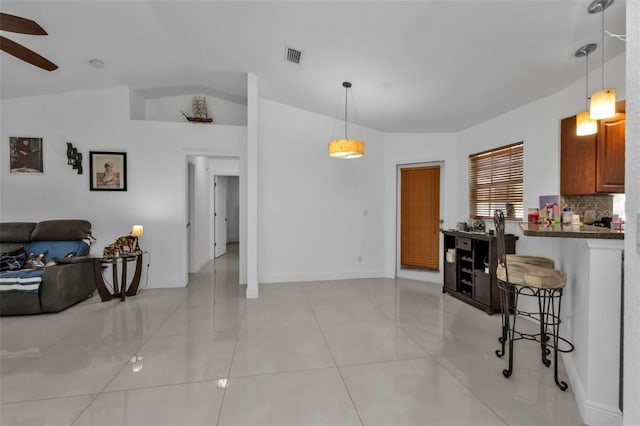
(226, 213)
(213, 212)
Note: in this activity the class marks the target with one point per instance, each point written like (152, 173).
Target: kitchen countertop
(570, 231)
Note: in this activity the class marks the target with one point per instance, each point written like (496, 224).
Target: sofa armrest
(66, 284)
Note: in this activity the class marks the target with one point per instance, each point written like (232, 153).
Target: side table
(119, 290)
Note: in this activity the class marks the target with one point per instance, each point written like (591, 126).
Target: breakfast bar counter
(591, 318)
(570, 231)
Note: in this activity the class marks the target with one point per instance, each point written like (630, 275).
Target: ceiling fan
(16, 24)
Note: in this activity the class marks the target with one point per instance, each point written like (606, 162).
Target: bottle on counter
(566, 215)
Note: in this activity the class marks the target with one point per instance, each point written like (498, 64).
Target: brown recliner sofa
(67, 280)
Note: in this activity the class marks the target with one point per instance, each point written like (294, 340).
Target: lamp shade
(585, 125)
(137, 231)
(603, 104)
(346, 149)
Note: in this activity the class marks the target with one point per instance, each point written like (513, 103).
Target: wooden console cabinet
(470, 262)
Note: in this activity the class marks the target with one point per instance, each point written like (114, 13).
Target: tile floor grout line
(470, 391)
(326, 342)
(144, 342)
(233, 355)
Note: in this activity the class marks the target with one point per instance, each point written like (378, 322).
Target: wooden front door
(420, 217)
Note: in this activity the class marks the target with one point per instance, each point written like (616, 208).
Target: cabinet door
(577, 160)
(610, 160)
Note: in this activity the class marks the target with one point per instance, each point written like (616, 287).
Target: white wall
(538, 125)
(233, 209)
(156, 166)
(201, 227)
(312, 223)
(420, 148)
(632, 240)
(222, 111)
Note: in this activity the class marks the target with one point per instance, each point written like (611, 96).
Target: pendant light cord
(602, 41)
(346, 97)
(586, 89)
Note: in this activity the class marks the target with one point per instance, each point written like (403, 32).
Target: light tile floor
(348, 352)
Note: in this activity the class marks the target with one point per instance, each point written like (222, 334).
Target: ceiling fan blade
(27, 55)
(16, 24)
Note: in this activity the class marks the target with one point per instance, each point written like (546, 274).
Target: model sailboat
(199, 111)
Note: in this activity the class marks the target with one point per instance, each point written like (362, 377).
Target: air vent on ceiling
(292, 55)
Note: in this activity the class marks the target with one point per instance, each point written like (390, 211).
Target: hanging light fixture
(603, 102)
(585, 125)
(346, 149)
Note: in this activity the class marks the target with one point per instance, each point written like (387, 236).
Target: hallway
(352, 352)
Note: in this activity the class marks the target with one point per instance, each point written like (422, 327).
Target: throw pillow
(13, 260)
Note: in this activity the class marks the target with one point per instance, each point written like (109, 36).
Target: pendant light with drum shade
(585, 125)
(346, 149)
(603, 102)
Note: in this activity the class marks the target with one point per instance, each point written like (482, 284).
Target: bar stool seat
(533, 276)
(543, 262)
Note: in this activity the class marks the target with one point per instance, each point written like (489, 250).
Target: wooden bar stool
(536, 277)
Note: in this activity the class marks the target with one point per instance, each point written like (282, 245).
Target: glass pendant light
(346, 149)
(603, 102)
(585, 125)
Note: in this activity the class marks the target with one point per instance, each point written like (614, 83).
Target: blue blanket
(24, 280)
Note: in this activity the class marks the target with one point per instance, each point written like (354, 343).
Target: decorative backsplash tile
(601, 203)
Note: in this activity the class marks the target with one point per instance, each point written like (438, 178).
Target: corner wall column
(252, 186)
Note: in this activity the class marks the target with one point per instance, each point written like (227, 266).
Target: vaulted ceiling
(418, 66)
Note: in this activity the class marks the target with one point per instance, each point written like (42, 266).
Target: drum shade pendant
(584, 124)
(346, 149)
(603, 102)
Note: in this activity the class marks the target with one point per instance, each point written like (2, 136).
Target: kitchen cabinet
(594, 163)
(610, 154)
(470, 262)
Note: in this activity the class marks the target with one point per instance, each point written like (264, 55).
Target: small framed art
(25, 155)
(108, 171)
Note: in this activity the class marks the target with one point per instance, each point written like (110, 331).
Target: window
(496, 182)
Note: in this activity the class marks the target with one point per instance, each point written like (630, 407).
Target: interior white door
(220, 215)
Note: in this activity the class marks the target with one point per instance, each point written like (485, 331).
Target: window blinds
(496, 182)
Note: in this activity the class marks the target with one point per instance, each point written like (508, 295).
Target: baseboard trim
(592, 413)
(320, 276)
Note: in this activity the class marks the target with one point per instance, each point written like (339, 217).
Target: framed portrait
(107, 171)
(25, 155)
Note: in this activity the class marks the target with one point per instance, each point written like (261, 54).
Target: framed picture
(25, 155)
(108, 171)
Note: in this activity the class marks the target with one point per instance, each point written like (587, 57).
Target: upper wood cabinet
(594, 163)
(610, 155)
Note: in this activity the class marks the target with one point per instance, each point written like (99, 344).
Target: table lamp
(137, 231)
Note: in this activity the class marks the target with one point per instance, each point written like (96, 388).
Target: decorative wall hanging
(74, 158)
(108, 171)
(25, 155)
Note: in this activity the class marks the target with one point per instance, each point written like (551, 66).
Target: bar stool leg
(512, 315)
(543, 309)
(504, 304)
(556, 333)
(509, 298)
